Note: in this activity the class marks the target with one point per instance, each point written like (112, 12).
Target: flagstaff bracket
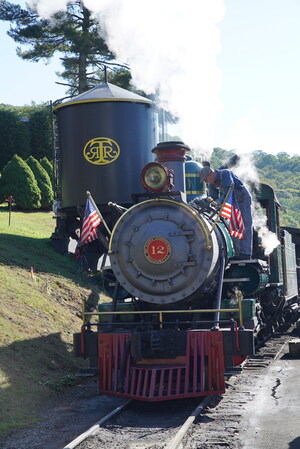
(222, 206)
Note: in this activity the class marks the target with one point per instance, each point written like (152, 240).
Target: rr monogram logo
(101, 151)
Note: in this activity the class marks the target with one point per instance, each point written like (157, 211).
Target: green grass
(28, 236)
(39, 312)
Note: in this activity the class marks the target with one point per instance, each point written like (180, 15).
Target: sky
(237, 65)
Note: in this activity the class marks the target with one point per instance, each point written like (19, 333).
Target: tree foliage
(40, 131)
(43, 182)
(19, 181)
(280, 171)
(14, 137)
(73, 33)
(26, 131)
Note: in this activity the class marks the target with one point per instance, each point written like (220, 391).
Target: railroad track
(141, 435)
(175, 424)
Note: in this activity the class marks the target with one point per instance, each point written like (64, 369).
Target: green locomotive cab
(270, 277)
(282, 260)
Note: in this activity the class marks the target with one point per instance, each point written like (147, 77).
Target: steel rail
(176, 442)
(94, 429)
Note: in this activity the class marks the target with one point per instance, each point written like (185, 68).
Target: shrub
(19, 181)
(46, 164)
(43, 181)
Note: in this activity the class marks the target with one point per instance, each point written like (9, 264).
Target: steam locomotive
(182, 310)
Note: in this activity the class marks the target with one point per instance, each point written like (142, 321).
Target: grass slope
(38, 315)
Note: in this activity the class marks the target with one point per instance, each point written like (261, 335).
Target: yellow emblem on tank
(101, 151)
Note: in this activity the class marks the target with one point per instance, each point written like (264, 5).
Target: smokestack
(172, 155)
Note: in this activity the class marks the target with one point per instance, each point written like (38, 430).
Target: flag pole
(222, 207)
(88, 194)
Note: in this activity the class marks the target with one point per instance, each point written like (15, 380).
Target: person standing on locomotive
(222, 180)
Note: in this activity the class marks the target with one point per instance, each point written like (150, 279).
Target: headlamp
(156, 177)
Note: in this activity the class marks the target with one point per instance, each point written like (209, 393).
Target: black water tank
(105, 137)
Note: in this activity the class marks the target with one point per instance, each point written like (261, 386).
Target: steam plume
(171, 47)
(246, 171)
(268, 239)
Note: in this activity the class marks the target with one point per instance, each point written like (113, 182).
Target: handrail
(161, 312)
(140, 312)
(205, 231)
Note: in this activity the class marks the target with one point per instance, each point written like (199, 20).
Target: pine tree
(43, 182)
(73, 33)
(19, 181)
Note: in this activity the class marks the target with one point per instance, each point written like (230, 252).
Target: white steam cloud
(246, 171)
(171, 47)
(269, 240)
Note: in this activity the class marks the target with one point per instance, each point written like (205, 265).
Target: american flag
(232, 212)
(90, 222)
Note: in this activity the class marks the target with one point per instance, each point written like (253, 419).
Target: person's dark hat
(204, 172)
